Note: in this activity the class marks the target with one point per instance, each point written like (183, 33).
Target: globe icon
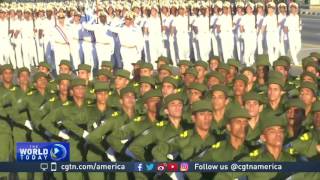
(58, 152)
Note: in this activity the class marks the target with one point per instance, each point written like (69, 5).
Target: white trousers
(294, 45)
(260, 39)
(75, 50)
(272, 38)
(104, 52)
(29, 52)
(227, 45)
(87, 49)
(155, 48)
(183, 45)
(61, 51)
(249, 39)
(204, 46)
(129, 56)
(239, 46)
(214, 44)
(6, 52)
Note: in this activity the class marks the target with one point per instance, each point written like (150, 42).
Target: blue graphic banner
(45, 151)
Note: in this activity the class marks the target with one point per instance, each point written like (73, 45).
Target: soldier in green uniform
(189, 76)
(104, 75)
(73, 117)
(65, 67)
(234, 66)
(214, 63)
(161, 61)
(84, 72)
(224, 70)
(122, 79)
(146, 69)
(183, 66)
(312, 67)
(262, 67)
(163, 72)
(273, 135)
(146, 84)
(308, 95)
(250, 73)
(107, 65)
(192, 142)
(234, 147)
(214, 78)
(202, 69)
(219, 101)
(169, 86)
(282, 65)
(239, 89)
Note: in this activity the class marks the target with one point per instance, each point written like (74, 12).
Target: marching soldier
(283, 37)
(237, 31)
(260, 33)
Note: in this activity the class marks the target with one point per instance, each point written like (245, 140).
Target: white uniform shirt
(225, 23)
(213, 22)
(27, 29)
(293, 23)
(181, 24)
(154, 26)
(271, 23)
(248, 23)
(4, 28)
(202, 24)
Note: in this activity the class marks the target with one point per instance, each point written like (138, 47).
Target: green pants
(95, 157)
(75, 156)
(5, 150)
(19, 135)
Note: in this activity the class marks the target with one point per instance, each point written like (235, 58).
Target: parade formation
(160, 81)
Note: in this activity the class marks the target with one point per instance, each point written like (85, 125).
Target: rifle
(34, 28)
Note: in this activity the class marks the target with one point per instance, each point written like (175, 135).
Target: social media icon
(184, 167)
(44, 166)
(138, 167)
(53, 166)
(162, 167)
(172, 167)
(150, 167)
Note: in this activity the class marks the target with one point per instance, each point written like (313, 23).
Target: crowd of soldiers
(125, 32)
(216, 108)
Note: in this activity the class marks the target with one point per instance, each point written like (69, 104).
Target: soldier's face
(273, 136)
(167, 89)
(219, 100)
(79, 92)
(64, 86)
(316, 120)
(41, 83)
(282, 70)
(103, 78)
(120, 82)
(194, 95)
(307, 96)
(83, 74)
(308, 79)
(183, 68)
(7, 75)
(274, 92)
(163, 73)
(188, 79)
(201, 71)
(253, 107)
(293, 10)
(239, 88)
(128, 100)
(250, 76)
(203, 120)
(24, 77)
(238, 127)
(145, 72)
(63, 69)
(144, 87)
(213, 65)
(102, 97)
(270, 10)
(213, 81)
(152, 104)
(249, 10)
(312, 70)
(43, 69)
(174, 109)
(295, 116)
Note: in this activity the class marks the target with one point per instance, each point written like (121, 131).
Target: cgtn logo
(46, 151)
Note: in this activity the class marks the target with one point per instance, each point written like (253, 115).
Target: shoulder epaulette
(135, 84)
(92, 91)
(292, 151)
(115, 114)
(30, 93)
(216, 145)
(66, 103)
(137, 119)
(52, 99)
(110, 93)
(254, 153)
(52, 91)
(13, 88)
(176, 77)
(161, 124)
(306, 136)
(184, 134)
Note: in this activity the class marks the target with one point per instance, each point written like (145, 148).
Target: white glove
(63, 135)
(85, 134)
(111, 155)
(124, 141)
(94, 125)
(28, 124)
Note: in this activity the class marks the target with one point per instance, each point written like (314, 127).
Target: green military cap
(66, 62)
(166, 67)
(126, 90)
(309, 85)
(306, 60)
(312, 64)
(271, 119)
(276, 78)
(146, 66)
(233, 62)
(38, 75)
(185, 62)
(217, 75)
(252, 96)
(236, 111)
(163, 59)
(148, 80)
(220, 87)
(201, 106)
(104, 72)
(137, 63)
(251, 69)
(150, 94)
(101, 86)
(281, 62)
(202, 64)
(85, 67)
(63, 77)
(315, 54)
(295, 102)
(286, 58)
(107, 64)
(23, 69)
(6, 66)
(78, 82)
(310, 74)
(316, 107)
(172, 97)
(242, 78)
(198, 86)
(123, 73)
(214, 58)
(224, 66)
(262, 60)
(170, 80)
(44, 64)
(192, 71)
